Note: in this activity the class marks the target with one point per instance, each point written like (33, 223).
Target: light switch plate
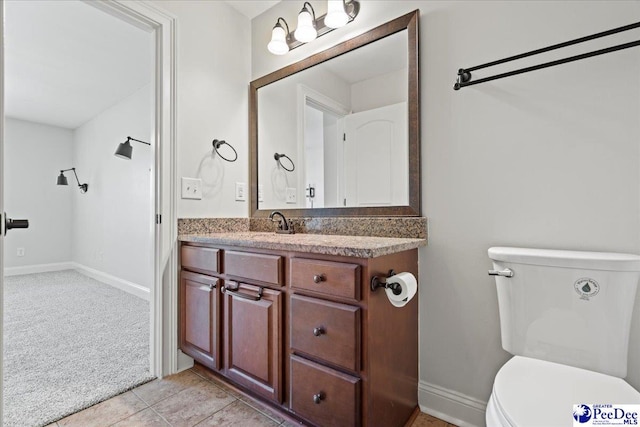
(241, 192)
(191, 188)
(291, 195)
(20, 252)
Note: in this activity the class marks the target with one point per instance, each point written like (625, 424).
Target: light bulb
(306, 30)
(336, 16)
(278, 44)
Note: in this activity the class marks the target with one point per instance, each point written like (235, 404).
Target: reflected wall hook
(279, 156)
(217, 143)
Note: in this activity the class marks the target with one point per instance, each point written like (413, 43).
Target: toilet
(566, 317)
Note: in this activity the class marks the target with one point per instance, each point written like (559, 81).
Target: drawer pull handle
(319, 278)
(318, 331)
(317, 398)
(235, 293)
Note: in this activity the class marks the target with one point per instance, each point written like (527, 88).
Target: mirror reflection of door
(375, 157)
(324, 156)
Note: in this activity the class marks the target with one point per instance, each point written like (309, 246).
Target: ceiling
(67, 61)
(252, 8)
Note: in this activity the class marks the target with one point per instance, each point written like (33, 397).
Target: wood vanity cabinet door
(326, 330)
(324, 396)
(199, 318)
(253, 339)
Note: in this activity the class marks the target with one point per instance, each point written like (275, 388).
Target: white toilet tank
(567, 307)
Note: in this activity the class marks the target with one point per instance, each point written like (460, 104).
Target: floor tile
(146, 418)
(426, 420)
(106, 413)
(157, 390)
(238, 414)
(292, 424)
(210, 376)
(193, 405)
(263, 408)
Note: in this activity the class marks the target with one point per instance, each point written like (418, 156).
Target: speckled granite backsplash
(402, 227)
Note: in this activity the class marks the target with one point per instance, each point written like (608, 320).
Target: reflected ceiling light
(62, 180)
(336, 14)
(278, 44)
(306, 30)
(125, 149)
(339, 13)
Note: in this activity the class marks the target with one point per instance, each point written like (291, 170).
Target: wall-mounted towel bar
(464, 74)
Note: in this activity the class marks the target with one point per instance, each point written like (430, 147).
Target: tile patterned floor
(191, 398)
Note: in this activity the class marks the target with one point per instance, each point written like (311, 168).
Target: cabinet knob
(318, 278)
(318, 331)
(317, 398)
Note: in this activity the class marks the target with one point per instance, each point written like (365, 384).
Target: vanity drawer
(324, 396)
(337, 279)
(326, 330)
(262, 267)
(197, 258)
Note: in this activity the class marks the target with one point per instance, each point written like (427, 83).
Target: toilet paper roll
(408, 288)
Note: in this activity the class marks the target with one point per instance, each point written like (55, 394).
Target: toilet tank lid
(570, 259)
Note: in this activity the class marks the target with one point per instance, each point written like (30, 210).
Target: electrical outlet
(260, 193)
(20, 252)
(241, 192)
(291, 195)
(191, 188)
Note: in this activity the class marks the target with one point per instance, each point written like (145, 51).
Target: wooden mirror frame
(408, 22)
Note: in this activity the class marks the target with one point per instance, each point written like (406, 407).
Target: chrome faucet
(284, 226)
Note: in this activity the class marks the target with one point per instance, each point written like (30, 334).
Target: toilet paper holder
(377, 282)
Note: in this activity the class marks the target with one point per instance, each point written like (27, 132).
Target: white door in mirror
(376, 157)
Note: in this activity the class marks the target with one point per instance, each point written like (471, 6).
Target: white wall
(34, 155)
(213, 70)
(112, 230)
(547, 159)
(380, 91)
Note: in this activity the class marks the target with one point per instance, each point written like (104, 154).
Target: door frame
(303, 94)
(163, 295)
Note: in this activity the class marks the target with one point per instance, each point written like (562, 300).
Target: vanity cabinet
(305, 332)
(252, 338)
(199, 314)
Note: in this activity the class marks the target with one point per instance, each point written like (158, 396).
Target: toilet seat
(534, 393)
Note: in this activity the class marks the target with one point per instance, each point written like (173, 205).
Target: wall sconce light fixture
(339, 13)
(62, 180)
(125, 149)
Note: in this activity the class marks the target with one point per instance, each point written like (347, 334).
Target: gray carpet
(69, 342)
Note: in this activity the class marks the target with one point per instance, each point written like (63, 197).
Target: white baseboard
(451, 406)
(38, 268)
(116, 282)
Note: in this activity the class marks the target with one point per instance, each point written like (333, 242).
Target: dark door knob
(14, 223)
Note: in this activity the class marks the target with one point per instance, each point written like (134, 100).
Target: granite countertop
(356, 246)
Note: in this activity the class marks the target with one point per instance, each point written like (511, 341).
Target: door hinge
(344, 137)
(344, 202)
(158, 219)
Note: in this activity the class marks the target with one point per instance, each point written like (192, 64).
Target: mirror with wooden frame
(337, 133)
